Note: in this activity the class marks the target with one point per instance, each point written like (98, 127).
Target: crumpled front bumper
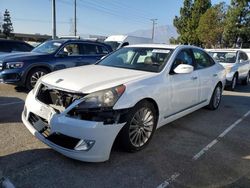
(102, 135)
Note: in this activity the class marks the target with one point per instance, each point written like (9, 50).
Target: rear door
(207, 73)
(91, 53)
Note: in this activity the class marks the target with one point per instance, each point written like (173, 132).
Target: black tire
(145, 131)
(233, 83)
(246, 80)
(36, 72)
(216, 98)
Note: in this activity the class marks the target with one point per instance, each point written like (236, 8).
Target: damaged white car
(81, 111)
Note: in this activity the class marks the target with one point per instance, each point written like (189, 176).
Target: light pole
(153, 28)
(75, 18)
(53, 19)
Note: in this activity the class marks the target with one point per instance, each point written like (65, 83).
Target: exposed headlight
(101, 99)
(14, 65)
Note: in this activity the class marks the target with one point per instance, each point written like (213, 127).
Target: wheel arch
(49, 69)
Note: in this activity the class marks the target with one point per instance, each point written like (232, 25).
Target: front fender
(34, 65)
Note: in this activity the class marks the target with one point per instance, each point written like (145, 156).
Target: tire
(216, 98)
(137, 133)
(246, 80)
(33, 76)
(234, 83)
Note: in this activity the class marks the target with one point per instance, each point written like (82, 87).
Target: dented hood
(91, 78)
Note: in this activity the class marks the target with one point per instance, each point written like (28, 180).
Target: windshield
(145, 59)
(114, 45)
(48, 47)
(224, 57)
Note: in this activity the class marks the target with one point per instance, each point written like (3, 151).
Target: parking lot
(203, 149)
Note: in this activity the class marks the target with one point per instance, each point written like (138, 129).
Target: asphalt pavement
(203, 149)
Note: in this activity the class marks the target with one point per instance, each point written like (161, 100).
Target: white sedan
(236, 63)
(81, 111)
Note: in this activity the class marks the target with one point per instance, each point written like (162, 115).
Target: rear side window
(202, 59)
(93, 49)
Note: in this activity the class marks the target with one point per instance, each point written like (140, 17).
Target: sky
(100, 17)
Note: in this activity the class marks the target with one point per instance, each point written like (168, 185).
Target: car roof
(223, 50)
(153, 46)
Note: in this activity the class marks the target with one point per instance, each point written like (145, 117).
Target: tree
(237, 27)
(211, 25)
(172, 40)
(199, 8)
(7, 25)
(188, 21)
(181, 22)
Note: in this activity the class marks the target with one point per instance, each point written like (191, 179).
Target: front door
(184, 87)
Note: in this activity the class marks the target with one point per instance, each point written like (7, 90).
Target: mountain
(162, 33)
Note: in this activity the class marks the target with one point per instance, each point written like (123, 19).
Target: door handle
(194, 77)
(215, 75)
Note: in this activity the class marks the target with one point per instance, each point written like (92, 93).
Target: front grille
(40, 124)
(56, 98)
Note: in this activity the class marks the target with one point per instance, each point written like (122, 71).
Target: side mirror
(184, 69)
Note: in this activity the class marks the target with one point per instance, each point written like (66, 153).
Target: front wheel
(140, 127)
(216, 98)
(33, 77)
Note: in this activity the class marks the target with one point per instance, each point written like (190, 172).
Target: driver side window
(71, 50)
(183, 57)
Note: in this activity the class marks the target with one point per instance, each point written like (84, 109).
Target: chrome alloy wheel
(217, 97)
(141, 127)
(35, 77)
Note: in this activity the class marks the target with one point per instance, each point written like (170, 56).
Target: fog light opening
(84, 145)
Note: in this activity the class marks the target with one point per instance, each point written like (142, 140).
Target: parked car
(130, 93)
(119, 41)
(26, 68)
(11, 46)
(236, 63)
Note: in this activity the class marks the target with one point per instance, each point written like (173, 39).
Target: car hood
(91, 78)
(227, 64)
(18, 56)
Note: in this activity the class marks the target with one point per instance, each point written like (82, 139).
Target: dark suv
(25, 69)
(10, 46)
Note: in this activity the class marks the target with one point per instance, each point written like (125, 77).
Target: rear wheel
(246, 80)
(140, 127)
(33, 77)
(216, 98)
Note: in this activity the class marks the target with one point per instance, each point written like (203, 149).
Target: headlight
(101, 99)
(14, 65)
(228, 69)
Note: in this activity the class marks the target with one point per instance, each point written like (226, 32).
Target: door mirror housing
(184, 69)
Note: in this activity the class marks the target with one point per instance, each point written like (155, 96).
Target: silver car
(237, 65)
